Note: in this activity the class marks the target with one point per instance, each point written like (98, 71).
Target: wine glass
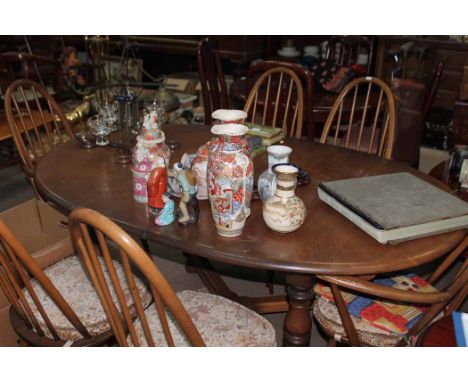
(108, 112)
(99, 127)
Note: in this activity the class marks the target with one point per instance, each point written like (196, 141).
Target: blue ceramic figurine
(166, 216)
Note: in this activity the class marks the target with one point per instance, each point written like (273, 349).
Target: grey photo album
(395, 207)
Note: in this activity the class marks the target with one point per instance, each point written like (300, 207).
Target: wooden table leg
(298, 322)
(216, 285)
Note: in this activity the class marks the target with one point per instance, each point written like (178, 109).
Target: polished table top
(327, 243)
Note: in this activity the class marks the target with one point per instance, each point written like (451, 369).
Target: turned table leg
(298, 322)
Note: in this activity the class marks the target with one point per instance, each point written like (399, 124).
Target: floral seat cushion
(70, 279)
(221, 322)
(378, 322)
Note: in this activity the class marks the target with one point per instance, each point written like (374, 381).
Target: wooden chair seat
(70, 279)
(221, 322)
(377, 322)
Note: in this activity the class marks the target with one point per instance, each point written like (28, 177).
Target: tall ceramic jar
(200, 162)
(230, 180)
(284, 212)
(145, 156)
(267, 180)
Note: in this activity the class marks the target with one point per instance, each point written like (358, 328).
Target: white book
(395, 207)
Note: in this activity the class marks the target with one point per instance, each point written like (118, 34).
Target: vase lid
(151, 136)
(228, 115)
(231, 129)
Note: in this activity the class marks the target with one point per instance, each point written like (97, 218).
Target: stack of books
(270, 135)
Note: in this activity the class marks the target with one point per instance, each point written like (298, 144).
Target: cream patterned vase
(284, 212)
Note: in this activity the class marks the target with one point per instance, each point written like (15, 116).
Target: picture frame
(131, 68)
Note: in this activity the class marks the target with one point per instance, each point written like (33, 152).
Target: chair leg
(216, 285)
(269, 284)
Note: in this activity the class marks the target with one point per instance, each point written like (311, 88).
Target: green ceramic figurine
(188, 210)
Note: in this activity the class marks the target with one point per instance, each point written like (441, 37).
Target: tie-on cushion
(70, 279)
(378, 322)
(221, 322)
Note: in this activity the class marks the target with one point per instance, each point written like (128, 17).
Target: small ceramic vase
(267, 180)
(230, 180)
(284, 212)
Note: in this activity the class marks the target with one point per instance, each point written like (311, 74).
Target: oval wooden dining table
(327, 243)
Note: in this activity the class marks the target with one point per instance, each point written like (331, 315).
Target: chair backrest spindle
(283, 105)
(375, 123)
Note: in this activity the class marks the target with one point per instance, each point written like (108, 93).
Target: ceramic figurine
(166, 216)
(230, 180)
(157, 187)
(267, 180)
(188, 211)
(284, 212)
(200, 168)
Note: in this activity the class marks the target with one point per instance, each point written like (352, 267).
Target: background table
(327, 243)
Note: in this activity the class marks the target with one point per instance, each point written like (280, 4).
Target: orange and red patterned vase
(230, 180)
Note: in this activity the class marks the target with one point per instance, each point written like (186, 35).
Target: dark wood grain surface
(327, 243)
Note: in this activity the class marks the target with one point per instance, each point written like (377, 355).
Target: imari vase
(230, 180)
(284, 212)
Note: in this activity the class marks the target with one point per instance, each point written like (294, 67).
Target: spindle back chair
(17, 270)
(444, 301)
(278, 98)
(14, 65)
(213, 84)
(307, 81)
(36, 121)
(83, 223)
(378, 137)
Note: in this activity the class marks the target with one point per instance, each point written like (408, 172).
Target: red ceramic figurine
(157, 186)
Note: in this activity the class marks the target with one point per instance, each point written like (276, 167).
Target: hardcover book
(263, 131)
(395, 207)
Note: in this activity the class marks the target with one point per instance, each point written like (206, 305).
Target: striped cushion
(376, 315)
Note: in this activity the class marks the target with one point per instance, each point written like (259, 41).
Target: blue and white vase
(267, 180)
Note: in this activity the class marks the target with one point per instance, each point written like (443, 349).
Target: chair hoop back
(304, 75)
(360, 122)
(84, 223)
(17, 268)
(36, 121)
(283, 101)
